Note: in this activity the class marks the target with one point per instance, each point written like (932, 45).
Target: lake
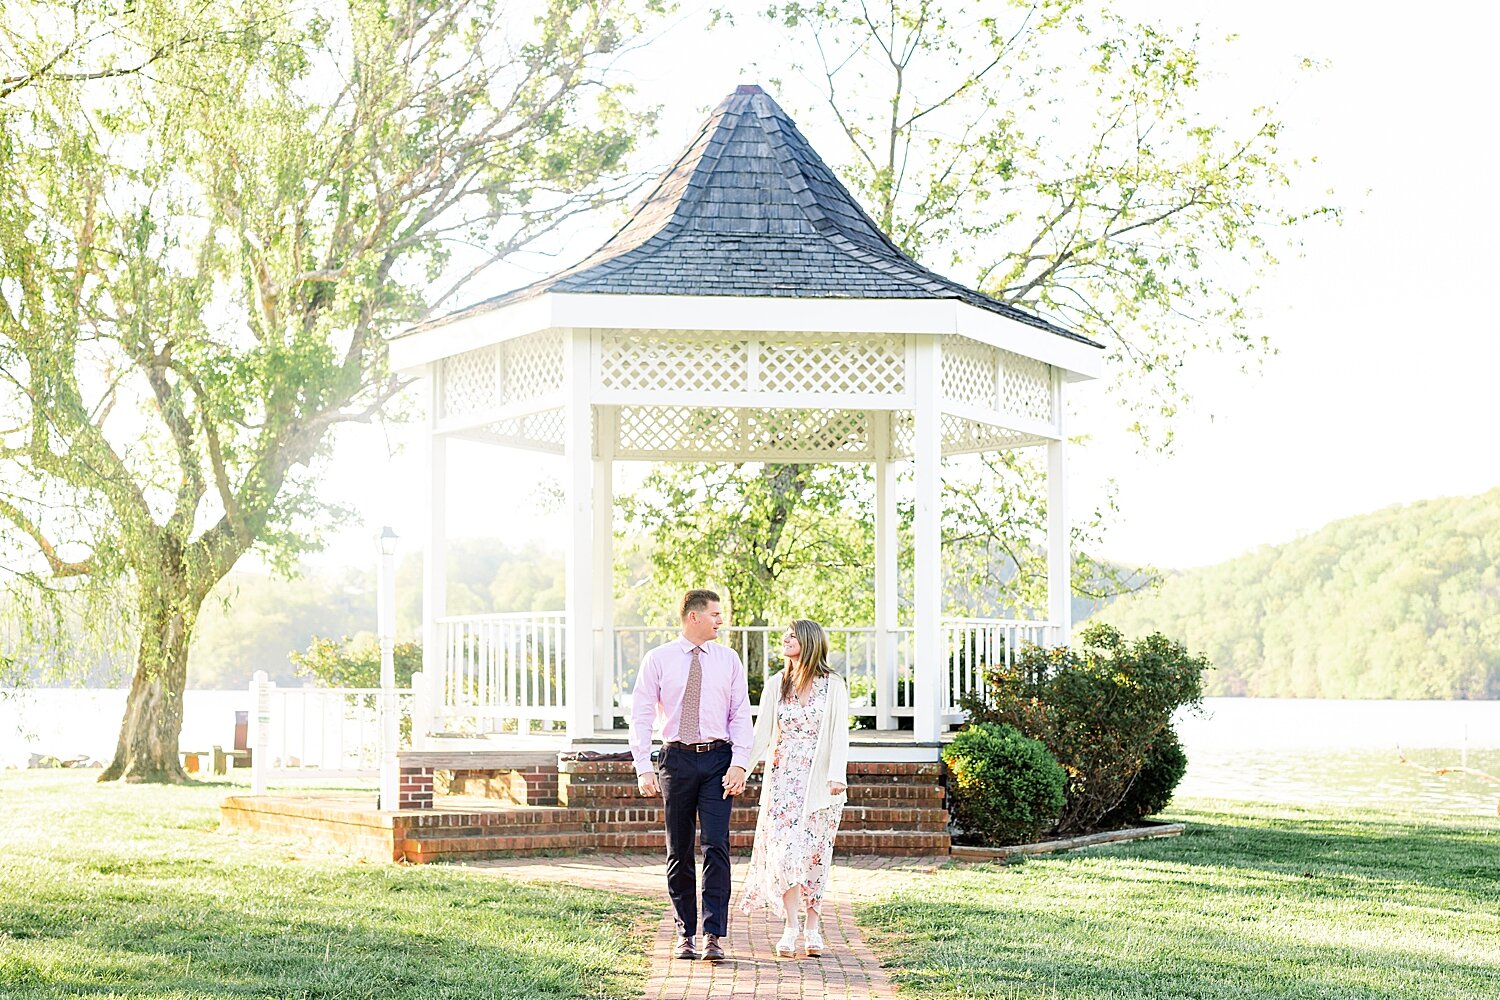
(1295, 751)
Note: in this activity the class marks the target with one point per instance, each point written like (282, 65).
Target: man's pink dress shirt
(723, 706)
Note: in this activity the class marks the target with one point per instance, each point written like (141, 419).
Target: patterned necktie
(687, 725)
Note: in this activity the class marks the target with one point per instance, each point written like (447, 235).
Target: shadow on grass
(158, 930)
(1270, 903)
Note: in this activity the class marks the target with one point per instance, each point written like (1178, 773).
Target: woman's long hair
(811, 663)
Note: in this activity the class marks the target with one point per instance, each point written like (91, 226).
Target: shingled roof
(750, 209)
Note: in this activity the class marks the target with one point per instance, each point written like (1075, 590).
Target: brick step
(539, 820)
(883, 842)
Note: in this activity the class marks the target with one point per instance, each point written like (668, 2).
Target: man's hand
(837, 788)
(734, 780)
(648, 783)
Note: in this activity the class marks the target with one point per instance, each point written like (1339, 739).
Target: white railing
(507, 672)
(504, 669)
(313, 733)
(972, 644)
(853, 651)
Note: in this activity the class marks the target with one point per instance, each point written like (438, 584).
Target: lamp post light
(385, 626)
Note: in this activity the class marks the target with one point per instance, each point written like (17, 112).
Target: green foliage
(1099, 708)
(1400, 603)
(213, 217)
(1165, 764)
(778, 541)
(354, 663)
(1005, 787)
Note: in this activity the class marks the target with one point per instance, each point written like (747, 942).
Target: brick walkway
(848, 969)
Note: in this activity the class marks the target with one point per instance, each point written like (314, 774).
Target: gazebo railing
(509, 671)
(509, 668)
(973, 644)
(853, 651)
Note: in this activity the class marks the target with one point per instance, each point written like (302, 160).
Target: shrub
(1152, 788)
(355, 663)
(1099, 708)
(1005, 787)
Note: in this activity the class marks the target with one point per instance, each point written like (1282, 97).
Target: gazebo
(749, 310)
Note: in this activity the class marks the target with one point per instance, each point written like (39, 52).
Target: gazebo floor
(894, 809)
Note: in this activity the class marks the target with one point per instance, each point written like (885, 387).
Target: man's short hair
(697, 600)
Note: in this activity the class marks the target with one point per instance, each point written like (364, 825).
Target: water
(1343, 753)
(1298, 751)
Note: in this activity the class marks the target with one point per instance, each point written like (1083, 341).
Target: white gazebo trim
(563, 310)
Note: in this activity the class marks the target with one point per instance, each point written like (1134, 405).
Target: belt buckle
(703, 747)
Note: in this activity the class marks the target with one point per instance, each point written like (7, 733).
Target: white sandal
(814, 940)
(786, 946)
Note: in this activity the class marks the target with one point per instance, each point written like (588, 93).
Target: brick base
(894, 809)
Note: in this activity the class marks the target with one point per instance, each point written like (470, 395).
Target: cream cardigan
(830, 759)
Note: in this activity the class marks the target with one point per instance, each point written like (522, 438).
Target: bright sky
(1383, 390)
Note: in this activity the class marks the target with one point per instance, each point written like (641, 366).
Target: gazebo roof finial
(750, 209)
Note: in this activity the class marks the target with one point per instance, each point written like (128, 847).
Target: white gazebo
(750, 310)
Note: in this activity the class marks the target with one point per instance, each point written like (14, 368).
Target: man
(700, 691)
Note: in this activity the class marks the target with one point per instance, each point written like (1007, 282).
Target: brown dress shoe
(712, 950)
(684, 949)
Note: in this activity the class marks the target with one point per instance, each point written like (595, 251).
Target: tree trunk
(147, 749)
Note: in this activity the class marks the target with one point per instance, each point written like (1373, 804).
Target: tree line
(1400, 603)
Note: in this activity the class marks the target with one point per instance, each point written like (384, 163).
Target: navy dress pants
(692, 784)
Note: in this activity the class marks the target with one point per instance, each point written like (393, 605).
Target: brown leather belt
(700, 747)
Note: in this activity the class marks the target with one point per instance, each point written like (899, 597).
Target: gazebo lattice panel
(960, 436)
(540, 431)
(719, 433)
(1001, 381)
(515, 371)
(673, 361)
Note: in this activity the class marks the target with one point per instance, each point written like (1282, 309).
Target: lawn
(111, 891)
(1254, 901)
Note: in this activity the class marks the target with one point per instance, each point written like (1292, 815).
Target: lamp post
(385, 626)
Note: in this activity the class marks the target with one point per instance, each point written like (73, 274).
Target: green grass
(111, 891)
(1254, 901)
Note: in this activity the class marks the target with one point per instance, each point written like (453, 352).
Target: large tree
(212, 215)
(1058, 157)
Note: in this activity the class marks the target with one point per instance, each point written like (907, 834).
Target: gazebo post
(887, 553)
(435, 552)
(928, 662)
(578, 453)
(604, 566)
(1059, 549)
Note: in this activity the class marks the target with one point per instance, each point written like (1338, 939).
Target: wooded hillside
(1401, 603)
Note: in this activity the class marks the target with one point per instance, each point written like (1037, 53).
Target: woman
(803, 734)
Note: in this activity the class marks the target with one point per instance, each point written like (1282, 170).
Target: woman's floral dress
(791, 847)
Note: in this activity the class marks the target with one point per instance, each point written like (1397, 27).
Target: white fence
(325, 734)
(508, 672)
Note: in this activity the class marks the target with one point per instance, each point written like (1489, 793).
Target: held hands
(648, 783)
(734, 780)
(837, 788)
